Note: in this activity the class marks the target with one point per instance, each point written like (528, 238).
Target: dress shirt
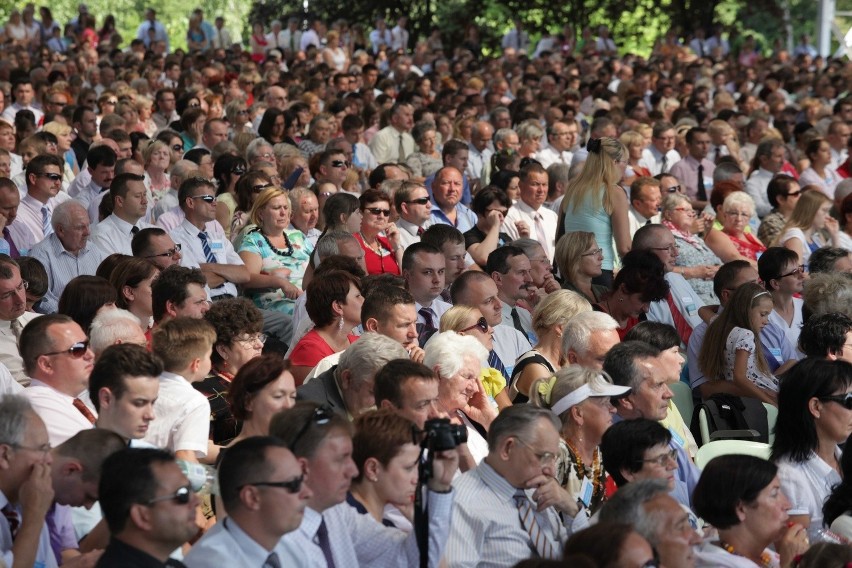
(362, 157)
(438, 308)
(119, 554)
(44, 554)
(226, 544)
(635, 220)
(807, 485)
(756, 188)
(358, 540)
(653, 160)
(476, 160)
(686, 171)
(311, 236)
(518, 39)
(385, 145)
(8, 384)
(193, 254)
(221, 39)
(27, 228)
(79, 183)
(10, 357)
(167, 202)
(183, 417)
(379, 38)
(57, 409)
(526, 321)
(548, 156)
(509, 345)
(486, 530)
(291, 38)
(90, 197)
(62, 267)
(113, 235)
(399, 39)
(465, 218)
(408, 232)
(12, 110)
(792, 330)
(466, 197)
(309, 37)
(685, 298)
(159, 33)
(520, 211)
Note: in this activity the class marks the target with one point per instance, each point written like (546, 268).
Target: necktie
(664, 165)
(426, 314)
(12, 518)
(321, 539)
(539, 230)
(45, 221)
(718, 154)
(134, 230)
(84, 410)
(702, 193)
(647, 221)
(17, 327)
(516, 321)
(272, 561)
(684, 329)
(13, 250)
(205, 244)
(401, 148)
(420, 231)
(495, 363)
(538, 540)
(292, 42)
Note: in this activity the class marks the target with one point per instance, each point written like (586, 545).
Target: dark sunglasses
(239, 170)
(793, 193)
(194, 105)
(51, 177)
(420, 201)
(170, 252)
(261, 187)
(340, 164)
(177, 147)
(76, 351)
(377, 211)
(205, 198)
(482, 324)
(293, 486)
(181, 496)
(845, 400)
(674, 189)
(320, 416)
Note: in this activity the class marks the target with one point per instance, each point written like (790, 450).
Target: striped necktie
(538, 540)
(46, 227)
(205, 244)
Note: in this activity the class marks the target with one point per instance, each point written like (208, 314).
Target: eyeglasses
(845, 400)
(260, 187)
(194, 105)
(76, 351)
(688, 210)
(181, 496)
(482, 324)
(673, 189)
(170, 253)
(737, 214)
(22, 286)
(111, 102)
(322, 415)
(43, 449)
(652, 563)
(671, 248)
(51, 177)
(293, 486)
(596, 252)
(177, 147)
(340, 164)
(260, 337)
(798, 270)
(243, 111)
(544, 459)
(377, 211)
(793, 194)
(419, 201)
(663, 459)
(57, 103)
(205, 198)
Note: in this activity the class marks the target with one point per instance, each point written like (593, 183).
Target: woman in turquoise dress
(275, 256)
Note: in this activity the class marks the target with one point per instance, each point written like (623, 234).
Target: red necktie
(84, 410)
(684, 330)
(13, 519)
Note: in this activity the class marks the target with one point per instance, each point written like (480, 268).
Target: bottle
(201, 477)
(826, 535)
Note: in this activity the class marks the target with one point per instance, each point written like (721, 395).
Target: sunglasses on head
(844, 400)
(321, 415)
(482, 324)
(293, 486)
(76, 351)
(181, 496)
(378, 211)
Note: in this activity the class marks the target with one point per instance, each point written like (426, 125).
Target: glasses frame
(260, 337)
(481, 323)
(206, 198)
(24, 285)
(321, 415)
(181, 496)
(378, 212)
(419, 201)
(544, 458)
(843, 400)
(77, 351)
(798, 270)
(663, 459)
(293, 486)
(171, 253)
(597, 252)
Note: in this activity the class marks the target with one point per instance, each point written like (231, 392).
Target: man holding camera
(333, 534)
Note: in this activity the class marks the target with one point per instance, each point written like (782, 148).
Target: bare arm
(254, 267)
(480, 251)
(223, 215)
(529, 375)
(722, 247)
(710, 388)
(235, 273)
(620, 223)
(742, 380)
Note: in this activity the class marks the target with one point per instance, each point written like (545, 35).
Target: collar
(496, 482)
(526, 208)
(32, 202)
(310, 522)
(249, 546)
(120, 223)
(173, 378)
(38, 383)
(57, 248)
(407, 226)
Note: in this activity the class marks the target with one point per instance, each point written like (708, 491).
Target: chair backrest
(717, 448)
(682, 397)
(771, 419)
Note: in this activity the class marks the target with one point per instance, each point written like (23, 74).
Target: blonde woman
(467, 320)
(635, 143)
(157, 159)
(64, 136)
(595, 203)
(579, 258)
(810, 226)
(549, 319)
(580, 397)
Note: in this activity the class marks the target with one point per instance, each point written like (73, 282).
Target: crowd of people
(349, 297)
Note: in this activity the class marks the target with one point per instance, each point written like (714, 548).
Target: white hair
(370, 353)
(112, 326)
(446, 352)
(579, 330)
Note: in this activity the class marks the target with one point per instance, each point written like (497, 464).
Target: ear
(577, 414)
(387, 404)
(70, 467)
(5, 456)
(628, 475)
(44, 364)
(572, 356)
(141, 517)
(222, 350)
(250, 497)
(814, 407)
(740, 510)
(372, 324)
(371, 469)
(345, 378)
(128, 292)
(195, 365)
(497, 277)
(303, 463)
(104, 398)
(171, 309)
(337, 308)
(506, 448)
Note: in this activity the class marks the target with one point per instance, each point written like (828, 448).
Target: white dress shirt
(193, 253)
(509, 344)
(807, 485)
(636, 220)
(548, 156)
(183, 417)
(685, 299)
(438, 307)
(45, 558)
(90, 197)
(10, 357)
(408, 232)
(653, 160)
(226, 544)
(756, 188)
(385, 145)
(476, 160)
(27, 228)
(520, 211)
(526, 321)
(113, 235)
(62, 267)
(57, 409)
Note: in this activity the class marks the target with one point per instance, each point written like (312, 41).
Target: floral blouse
(275, 259)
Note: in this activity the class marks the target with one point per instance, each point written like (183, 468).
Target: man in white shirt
(394, 143)
(305, 213)
(151, 30)
(130, 204)
(44, 181)
(380, 36)
(754, 132)
(479, 152)
(291, 38)
(221, 36)
(838, 139)
(312, 35)
(561, 137)
(645, 202)
(660, 156)
(57, 357)
(332, 532)
(510, 269)
(275, 37)
(414, 207)
(24, 96)
(770, 155)
(529, 211)
(13, 318)
(399, 35)
(264, 493)
(423, 269)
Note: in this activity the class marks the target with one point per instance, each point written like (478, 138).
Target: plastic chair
(682, 397)
(707, 436)
(771, 419)
(717, 448)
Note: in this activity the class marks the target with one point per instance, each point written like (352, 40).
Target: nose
(667, 392)
(306, 492)
(433, 411)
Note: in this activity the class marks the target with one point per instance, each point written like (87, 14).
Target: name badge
(217, 245)
(678, 439)
(776, 352)
(586, 492)
(689, 306)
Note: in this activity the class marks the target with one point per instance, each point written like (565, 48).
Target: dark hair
(242, 463)
(231, 318)
(171, 286)
(624, 443)
(196, 154)
(337, 205)
(189, 185)
(91, 447)
(142, 240)
(661, 335)
(502, 178)
(118, 363)
(373, 196)
(823, 259)
(821, 335)
(130, 271)
(127, 479)
(32, 270)
(795, 430)
(498, 260)
(36, 165)
(391, 379)
(772, 262)
(102, 154)
(379, 302)
(408, 257)
(642, 272)
(380, 434)
(483, 199)
(321, 294)
(602, 542)
(251, 378)
(264, 129)
(109, 264)
(439, 234)
(453, 147)
(222, 169)
(840, 500)
(34, 340)
(726, 482)
(727, 274)
(300, 419)
(83, 296)
(779, 186)
(620, 362)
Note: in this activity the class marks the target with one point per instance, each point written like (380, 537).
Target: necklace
(597, 470)
(278, 251)
(765, 558)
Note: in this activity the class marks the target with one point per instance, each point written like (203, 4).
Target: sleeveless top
(531, 356)
(592, 218)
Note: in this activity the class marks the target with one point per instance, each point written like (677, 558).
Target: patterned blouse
(572, 480)
(274, 259)
(692, 251)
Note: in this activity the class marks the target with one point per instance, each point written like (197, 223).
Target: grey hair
(518, 420)
(62, 213)
(827, 292)
(579, 330)
(725, 171)
(502, 134)
(370, 353)
(252, 150)
(529, 130)
(626, 506)
(182, 170)
(446, 351)
(296, 195)
(529, 246)
(329, 244)
(13, 425)
(110, 326)
(672, 200)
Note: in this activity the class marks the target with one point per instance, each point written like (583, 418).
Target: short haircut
(127, 479)
(380, 434)
(37, 165)
(91, 447)
(141, 243)
(365, 357)
(453, 147)
(171, 286)
(558, 308)
(245, 462)
(727, 275)
(232, 318)
(101, 155)
(190, 186)
(624, 443)
(822, 259)
(118, 363)
(439, 234)
(130, 271)
(111, 327)
(772, 262)
(518, 421)
(299, 428)
(827, 292)
(486, 197)
(251, 379)
(498, 260)
(121, 184)
(408, 257)
(13, 424)
(621, 361)
(391, 379)
(35, 340)
(642, 272)
(824, 334)
(627, 506)
(323, 292)
(329, 243)
(779, 186)
(382, 299)
(178, 341)
(578, 332)
(661, 335)
(32, 270)
(726, 483)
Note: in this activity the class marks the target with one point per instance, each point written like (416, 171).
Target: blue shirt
(465, 218)
(466, 197)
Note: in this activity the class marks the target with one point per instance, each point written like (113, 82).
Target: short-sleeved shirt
(741, 339)
(274, 259)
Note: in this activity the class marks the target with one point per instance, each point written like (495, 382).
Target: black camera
(440, 435)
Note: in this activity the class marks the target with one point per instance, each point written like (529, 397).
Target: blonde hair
(740, 198)
(455, 318)
(57, 128)
(598, 177)
(806, 209)
(546, 392)
(630, 138)
(558, 308)
(153, 145)
(569, 250)
(262, 200)
(178, 341)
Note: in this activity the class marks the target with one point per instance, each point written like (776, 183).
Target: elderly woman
(239, 339)
(426, 160)
(458, 360)
(334, 305)
(157, 162)
(378, 236)
(733, 242)
(262, 388)
(814, 418)
(276, 257)
(132, 279)
(549, 319)
(580, 397)
(695, 261)
(579, 258)
(530, 134)
(741, 496)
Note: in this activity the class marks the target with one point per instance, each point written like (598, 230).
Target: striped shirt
(62, 266)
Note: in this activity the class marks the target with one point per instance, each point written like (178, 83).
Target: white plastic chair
(717, 448)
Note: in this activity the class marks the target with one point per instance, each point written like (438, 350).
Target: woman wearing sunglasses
(247, 189)
(378, 236)
(227, 170)
(466, 320)
(814, 417)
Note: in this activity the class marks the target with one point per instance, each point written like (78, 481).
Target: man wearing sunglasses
(264, 494)
(44, 181)
(150, 517)
(413, 205)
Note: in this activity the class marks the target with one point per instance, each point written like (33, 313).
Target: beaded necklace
(597, 470)
(279, 252)
(765, 558)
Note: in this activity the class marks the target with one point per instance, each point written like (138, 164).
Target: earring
(340, 324)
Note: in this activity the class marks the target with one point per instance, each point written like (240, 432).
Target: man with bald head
(447, 207)
(479, 151)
